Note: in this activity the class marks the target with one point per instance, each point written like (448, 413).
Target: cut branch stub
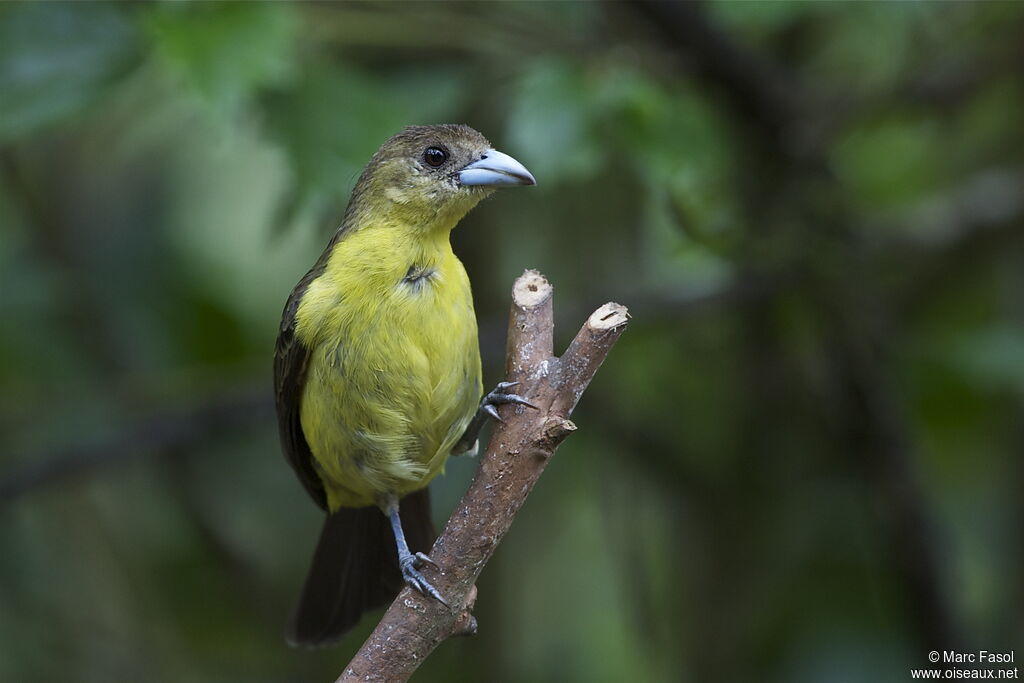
(515, 457)
(580, 362)
(531, 327)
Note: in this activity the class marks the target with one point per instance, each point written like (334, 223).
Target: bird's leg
(487, 410)
(409, 562)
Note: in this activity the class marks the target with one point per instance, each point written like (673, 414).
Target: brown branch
(518, 451)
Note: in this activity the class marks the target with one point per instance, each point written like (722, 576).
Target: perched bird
(377, 370)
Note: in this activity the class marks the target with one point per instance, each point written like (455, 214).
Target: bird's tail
(355, 569)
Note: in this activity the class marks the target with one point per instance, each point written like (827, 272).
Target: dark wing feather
(290, 359)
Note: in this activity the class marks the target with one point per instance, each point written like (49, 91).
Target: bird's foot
(410, 565)
(501, 396)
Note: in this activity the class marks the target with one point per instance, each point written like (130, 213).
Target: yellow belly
(394, 368)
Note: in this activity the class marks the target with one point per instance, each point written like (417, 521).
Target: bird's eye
(435, 156)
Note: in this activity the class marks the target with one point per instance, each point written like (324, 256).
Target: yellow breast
(394, 367)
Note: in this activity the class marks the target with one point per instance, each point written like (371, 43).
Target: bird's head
(431, 176)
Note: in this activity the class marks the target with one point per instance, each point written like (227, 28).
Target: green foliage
(224, 51)
(914, 155)
(56, 59)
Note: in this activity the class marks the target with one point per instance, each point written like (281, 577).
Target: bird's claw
(502, 396)
(410, 565)
(488, 409)
(425, 559)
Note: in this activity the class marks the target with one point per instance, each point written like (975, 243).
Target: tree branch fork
(519, 449)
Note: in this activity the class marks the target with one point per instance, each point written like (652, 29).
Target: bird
(377, 373)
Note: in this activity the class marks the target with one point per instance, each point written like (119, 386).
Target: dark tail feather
(355, 569)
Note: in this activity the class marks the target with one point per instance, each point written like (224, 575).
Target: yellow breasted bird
(377, 370)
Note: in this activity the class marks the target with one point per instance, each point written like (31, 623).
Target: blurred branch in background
(759, 92)
(965, 227)
(175, 432)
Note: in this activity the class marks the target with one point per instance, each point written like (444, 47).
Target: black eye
(435, 156)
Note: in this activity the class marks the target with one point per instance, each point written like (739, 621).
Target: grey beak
(496, 168)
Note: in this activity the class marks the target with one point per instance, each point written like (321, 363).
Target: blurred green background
(802, 461)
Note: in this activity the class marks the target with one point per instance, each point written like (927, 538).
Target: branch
(516, 456)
